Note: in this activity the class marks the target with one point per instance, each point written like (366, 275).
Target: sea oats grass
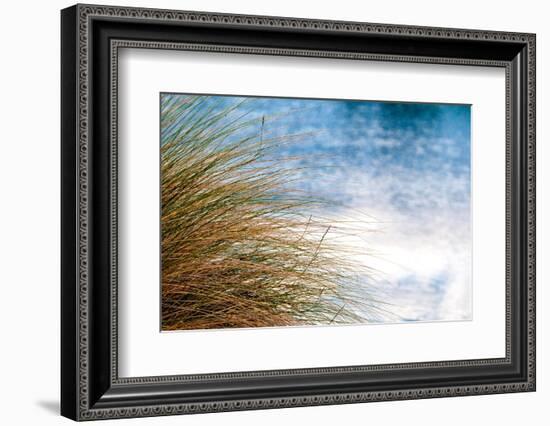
(241, 247)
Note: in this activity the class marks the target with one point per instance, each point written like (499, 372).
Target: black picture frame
(90, 386)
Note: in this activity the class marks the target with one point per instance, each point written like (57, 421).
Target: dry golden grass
(238, 249)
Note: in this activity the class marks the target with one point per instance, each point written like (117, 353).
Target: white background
(146, 352)
(29, 225)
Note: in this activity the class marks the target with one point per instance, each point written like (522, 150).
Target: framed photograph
(263, 212)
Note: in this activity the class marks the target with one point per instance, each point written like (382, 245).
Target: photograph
(313, 212)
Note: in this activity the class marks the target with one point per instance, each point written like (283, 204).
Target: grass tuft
(240, 246)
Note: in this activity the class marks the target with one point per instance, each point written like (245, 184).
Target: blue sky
(407, 166)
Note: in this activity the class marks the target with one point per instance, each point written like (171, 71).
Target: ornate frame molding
(86, 407)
